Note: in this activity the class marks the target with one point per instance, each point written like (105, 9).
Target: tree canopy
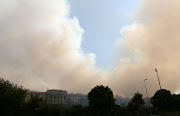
(136, 102)
(101, 100)
(11, 97)
(162, 99)
(175, 102)
(35, 102)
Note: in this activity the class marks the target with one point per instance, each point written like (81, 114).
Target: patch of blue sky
(102, 21)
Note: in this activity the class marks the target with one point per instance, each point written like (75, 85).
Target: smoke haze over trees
(101, 102)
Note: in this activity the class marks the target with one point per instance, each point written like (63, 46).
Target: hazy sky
(78, 44)
(102, 21)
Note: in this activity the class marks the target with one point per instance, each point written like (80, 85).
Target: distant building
(35, 93)
(55, 96)
(78, 99)
(59, 97)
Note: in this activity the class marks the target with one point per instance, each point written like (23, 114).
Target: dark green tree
(175, 102)
(136, 102)
(12, 97)
(101, 101)
(35, 103)
(162, 100)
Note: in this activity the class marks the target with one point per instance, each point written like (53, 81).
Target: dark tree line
(101, 103)
(164, 101)
(12, 97)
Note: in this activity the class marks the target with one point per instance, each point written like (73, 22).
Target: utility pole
(147, 96)
(158, 78)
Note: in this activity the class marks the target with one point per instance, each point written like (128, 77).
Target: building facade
(35, 93)
(60, 97)
(54, 96)
(77, 99)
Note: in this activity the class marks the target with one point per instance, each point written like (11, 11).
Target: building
(77, 99)
(55, 96)
(60, 97)
(35, 93)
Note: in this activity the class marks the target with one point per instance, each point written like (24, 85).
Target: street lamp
(147, 95)
(158, 77)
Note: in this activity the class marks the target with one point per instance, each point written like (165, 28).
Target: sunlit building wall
(54, 96)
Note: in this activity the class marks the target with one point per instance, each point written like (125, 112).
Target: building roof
(34, 91)
(55, 90)
(78, 94)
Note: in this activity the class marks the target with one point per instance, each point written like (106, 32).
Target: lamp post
(158, 77)
(147, 95)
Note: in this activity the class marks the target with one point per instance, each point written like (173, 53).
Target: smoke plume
(40, 48)
(152, 41)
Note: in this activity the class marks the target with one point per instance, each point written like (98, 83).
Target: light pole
(158, 78)
(147, 95)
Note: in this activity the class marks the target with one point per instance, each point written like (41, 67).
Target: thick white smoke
(40, 48)
(152, 42)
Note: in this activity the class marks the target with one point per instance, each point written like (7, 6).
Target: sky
(77, 44)
(102, 21)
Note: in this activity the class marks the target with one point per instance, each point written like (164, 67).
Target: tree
(34, 103)
(101, 101)
(136, 102)
(12, 97)
(134, 106)
(162, 99)
(175, 102)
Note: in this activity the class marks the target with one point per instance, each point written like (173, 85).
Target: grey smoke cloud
(151, 42)
(40, 48)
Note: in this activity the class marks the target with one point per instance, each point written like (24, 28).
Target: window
(50, 97)
(57, 97)
(61, 97)
(54, 97)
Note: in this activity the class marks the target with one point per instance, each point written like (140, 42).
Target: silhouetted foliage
(175, 102)
(101, 101)
(162, 100)
(12, 97)
(35, 103)
(136, 103)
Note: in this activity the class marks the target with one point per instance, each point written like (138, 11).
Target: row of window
(57, 102)
(59, 92)
(57, 97)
